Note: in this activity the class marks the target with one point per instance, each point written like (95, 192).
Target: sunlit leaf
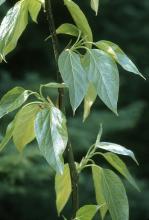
(95, 5)
(87, 212)
(23, 132)
(89, 100)
(69, 29)
(103, 73)
(12, 27)
(115, 148)
(74, 76)
(52, 137)
(62, 188)
(116, 52)
(113, 192)
(80, 20)
(99, 191)
(119, 165)
(34, 9)
(7, 136)
(13, 100)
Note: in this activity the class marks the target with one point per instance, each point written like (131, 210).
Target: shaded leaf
(80, 20)
(103, 73)
(89, 100)
(115, 148)
(34, 7)
(12, 27)
(23, 132)
(116, 52)
(62, 188)
(7, 136)
(69, 29)
(95, 5)
(52, 137)
(119, 165)
(99, 191)
(87, 212)
(54, 85)
(74, 76)
(114, 193)
(13, 100)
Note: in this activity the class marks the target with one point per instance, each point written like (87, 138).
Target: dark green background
(26, 181)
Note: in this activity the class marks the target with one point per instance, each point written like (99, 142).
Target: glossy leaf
(62, 188)
(7, 136)
(52, 137)
(74, 76)
(114, 193)
(95, 5)
(89, 100)
(117, 149)
(12, 27)
(23, 132)
(99, 191)
(69, 29)
(103, 73)
(87, 212)
(80, 20)
(13, 100)
(34, 7)
(116, 53)
(119, 165)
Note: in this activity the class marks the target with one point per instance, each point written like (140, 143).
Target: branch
(70, 155)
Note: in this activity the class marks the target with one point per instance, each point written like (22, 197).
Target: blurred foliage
(26, 181)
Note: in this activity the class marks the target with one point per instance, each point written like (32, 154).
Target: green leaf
(23, 132)
(99, 191)
(74, 76)
(52, 137)
(117, 54)
(69, 29)
(114, 193)
(13, 100)
(54, 85)
(89, 100)
(103, 73)
(80, 20)
(87, 212)
(117, 149)
(7, 136)
(62, 188)
(12, 27)
(95, 5)
(34, 8)
(119, 165)
(2, 1)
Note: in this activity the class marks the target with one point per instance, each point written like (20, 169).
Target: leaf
(12, 27)
(89, 100)
(117, 54)
(2, 1)
(119, 165)
(23, 132)
(117, 149)
(34, 8)
(13, 100)
(87, 212)
(52, 137)
(62, 188)
(103, 73)
(74, 76)
(69, 29)
(99, 191)
(80, 20)
(54, 85)
(114, 193)
(95, 5)
(7, 136)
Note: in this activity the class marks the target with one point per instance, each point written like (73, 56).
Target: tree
(87, 70)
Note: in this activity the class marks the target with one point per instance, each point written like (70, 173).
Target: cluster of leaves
(86, 72)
